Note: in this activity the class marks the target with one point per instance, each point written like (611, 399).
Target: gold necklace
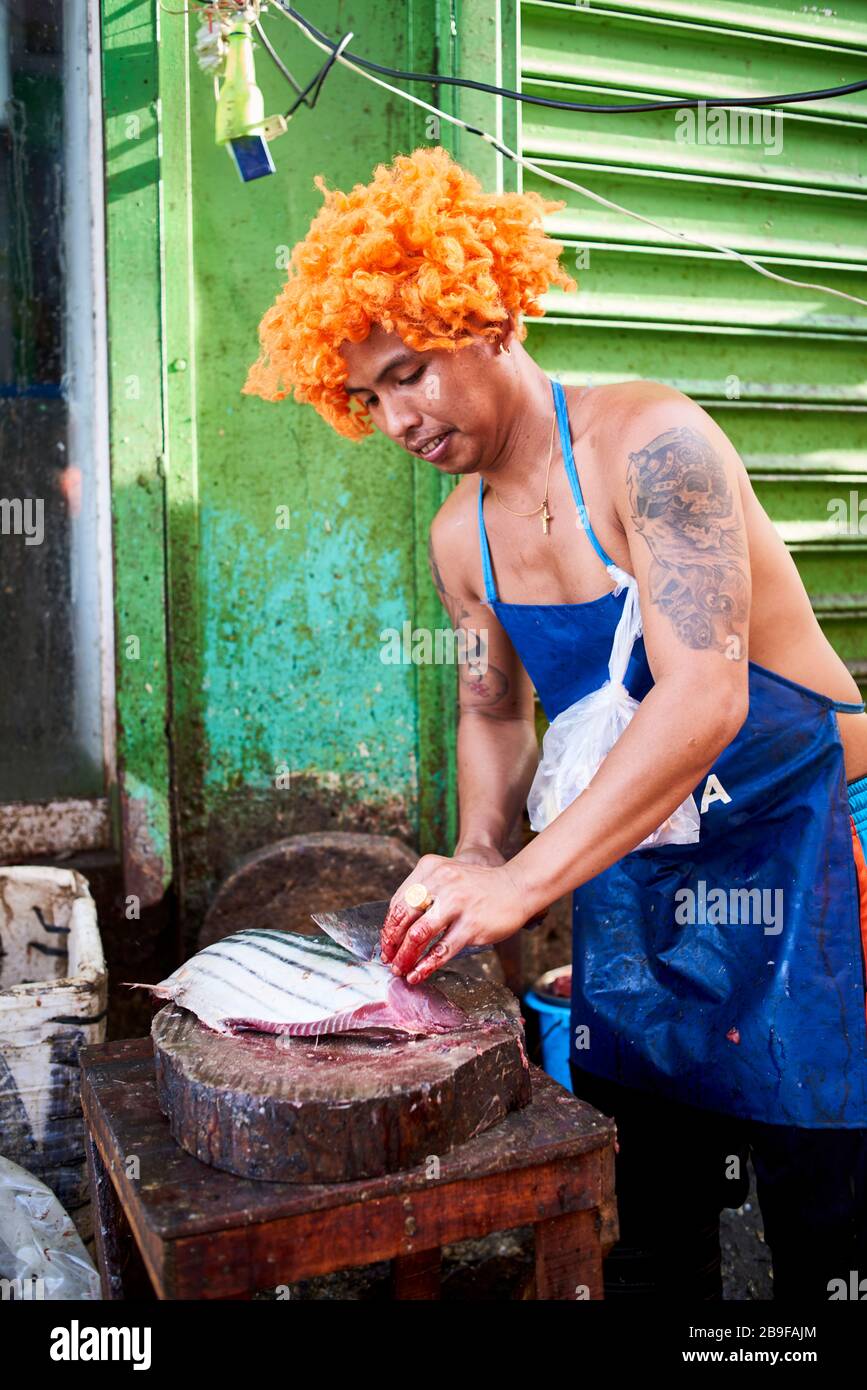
(543, 505)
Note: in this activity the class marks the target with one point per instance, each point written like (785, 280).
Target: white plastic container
(53, 996)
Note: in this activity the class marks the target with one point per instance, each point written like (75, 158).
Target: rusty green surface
(277, 715)
(284, 717)
(468, 38)
(182, 540)
(137, 442)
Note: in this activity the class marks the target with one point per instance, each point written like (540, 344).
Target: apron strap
(487, 572)
(572, 473)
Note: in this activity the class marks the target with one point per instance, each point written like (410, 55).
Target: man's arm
(678, 501)
(497, 750)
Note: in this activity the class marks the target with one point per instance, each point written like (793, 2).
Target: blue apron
(726, 974)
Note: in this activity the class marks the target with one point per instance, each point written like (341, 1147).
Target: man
(718, 1004)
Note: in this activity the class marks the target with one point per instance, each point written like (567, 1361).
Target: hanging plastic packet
(578, 739)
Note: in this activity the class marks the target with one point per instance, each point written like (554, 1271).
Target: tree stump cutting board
(344, 1107)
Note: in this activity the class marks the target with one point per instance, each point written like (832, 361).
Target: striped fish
(282, 982)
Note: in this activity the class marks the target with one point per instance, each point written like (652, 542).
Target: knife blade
(358, 929)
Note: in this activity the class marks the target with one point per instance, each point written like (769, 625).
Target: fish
(271, 981)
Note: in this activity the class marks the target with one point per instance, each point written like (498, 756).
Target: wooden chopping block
(344, 1107)
(280, 884)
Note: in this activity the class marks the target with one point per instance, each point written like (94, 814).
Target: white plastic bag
(578, 739)
(42, 1256)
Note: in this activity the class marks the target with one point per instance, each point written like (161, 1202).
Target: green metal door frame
(138, 442)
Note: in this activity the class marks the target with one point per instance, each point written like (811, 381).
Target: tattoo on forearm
(682, 505)
(487, 684)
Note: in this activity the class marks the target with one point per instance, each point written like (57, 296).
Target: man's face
(442, 406)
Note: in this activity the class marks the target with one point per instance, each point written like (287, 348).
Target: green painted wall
(274, 633)
(275, 675)
(780, 368)
(135, 330)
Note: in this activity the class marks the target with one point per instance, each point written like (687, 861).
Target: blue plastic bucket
(553, 1016)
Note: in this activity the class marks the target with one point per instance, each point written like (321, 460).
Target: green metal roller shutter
(782, 370)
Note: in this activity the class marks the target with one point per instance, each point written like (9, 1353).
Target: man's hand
(486, 854)
(474, 905)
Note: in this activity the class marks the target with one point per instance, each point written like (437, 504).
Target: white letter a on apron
(713, 791)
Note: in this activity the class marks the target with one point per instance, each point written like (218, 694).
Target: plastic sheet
(580, 737)
(41, 1252)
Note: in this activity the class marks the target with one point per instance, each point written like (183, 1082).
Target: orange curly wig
(423, 252)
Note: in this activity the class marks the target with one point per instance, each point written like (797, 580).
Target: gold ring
(417, 897)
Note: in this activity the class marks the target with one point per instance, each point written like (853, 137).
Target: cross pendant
(546, 517)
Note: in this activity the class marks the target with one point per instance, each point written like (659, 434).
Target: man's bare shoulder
(465, 495)
(629, 416)
(620, 402)
(623, 405)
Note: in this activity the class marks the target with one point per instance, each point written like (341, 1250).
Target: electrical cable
(318, 79)
(275, 57)
(546, 174)
(589, 107)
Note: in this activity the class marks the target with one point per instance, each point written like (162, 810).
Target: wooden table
(171, 1227)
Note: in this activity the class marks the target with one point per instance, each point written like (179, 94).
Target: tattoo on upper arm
(485, 683)
(682, 505)
(435, 571)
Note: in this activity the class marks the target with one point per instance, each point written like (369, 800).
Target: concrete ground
(746, 1260)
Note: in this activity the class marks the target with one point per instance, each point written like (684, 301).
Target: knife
(357, 930)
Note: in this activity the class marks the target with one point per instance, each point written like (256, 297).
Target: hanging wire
(275, 57)
(365, 68)
(318, 79)
(550, 177)
(623, 109)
